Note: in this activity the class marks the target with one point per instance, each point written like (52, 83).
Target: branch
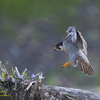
(62, 93)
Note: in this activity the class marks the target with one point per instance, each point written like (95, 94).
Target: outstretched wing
(81, 42)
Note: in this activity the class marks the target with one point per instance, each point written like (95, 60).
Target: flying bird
(76, 47)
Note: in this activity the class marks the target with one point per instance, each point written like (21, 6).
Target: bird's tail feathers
(87, 68)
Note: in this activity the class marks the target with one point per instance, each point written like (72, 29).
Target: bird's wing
(73, 36)
(68, 37)
(85, 64)
(81, 42)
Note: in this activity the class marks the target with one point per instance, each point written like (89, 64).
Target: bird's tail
(87, 68)
(85, 64)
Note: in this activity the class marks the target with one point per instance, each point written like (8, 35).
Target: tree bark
(63, 93)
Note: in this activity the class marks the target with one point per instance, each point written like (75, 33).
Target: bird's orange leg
(68, 64)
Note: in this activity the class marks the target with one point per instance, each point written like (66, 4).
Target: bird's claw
(68, 64)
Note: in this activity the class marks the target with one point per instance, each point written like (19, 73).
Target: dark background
(29, 30)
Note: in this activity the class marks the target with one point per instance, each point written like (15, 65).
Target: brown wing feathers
(81, 42)
(85, 65)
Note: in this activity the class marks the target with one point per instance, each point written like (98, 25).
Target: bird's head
(59, 46)
(71, 29)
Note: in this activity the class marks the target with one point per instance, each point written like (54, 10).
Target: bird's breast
(70, 47)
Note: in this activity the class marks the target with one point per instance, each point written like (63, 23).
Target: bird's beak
(55, 48)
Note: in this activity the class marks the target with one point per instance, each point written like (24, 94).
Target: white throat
(61, 48)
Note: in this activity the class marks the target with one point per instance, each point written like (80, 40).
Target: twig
(41, 77)
(37, 75)
(17, 72)
(29, 85)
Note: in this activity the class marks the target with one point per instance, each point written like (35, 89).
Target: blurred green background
(29, 30)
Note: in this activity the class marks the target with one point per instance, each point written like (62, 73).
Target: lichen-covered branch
(64, 93)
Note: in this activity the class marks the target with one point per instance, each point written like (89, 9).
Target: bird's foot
(68, 64)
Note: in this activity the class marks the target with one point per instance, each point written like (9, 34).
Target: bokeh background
(29, 30)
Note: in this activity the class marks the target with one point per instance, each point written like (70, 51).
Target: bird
(76, 47)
